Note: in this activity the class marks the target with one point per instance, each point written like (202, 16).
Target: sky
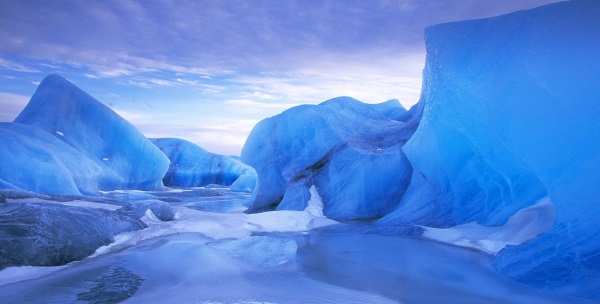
(208, 71)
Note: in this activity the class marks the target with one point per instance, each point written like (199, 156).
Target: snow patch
(315, 204)
(523, 226)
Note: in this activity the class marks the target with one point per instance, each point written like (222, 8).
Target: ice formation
(523, 226)
(121, 157)
(511, 116)
(349, 150)
(192, 166)
(35, 160)
(49, 234)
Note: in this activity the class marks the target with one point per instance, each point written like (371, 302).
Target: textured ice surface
(35, 160)
(523, 226)
(161, 210)
(512, 115)
(349, 150)
(126, 158)
(207, 257)
(43, 234)
(192, 166)
(263, 251)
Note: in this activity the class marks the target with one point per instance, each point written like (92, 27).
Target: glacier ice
(48, 234)
(212, 257)
(192, 166)
(349, 150)
(123, 157)
(265, 251)
(511, 115)
(508, 118)
(523, 226)
(35, 160)
(161, 210)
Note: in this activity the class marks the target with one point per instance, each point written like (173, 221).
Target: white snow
(315, 204)
(225, 226)
(523, 226)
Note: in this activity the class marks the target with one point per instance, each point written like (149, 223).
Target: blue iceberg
(351, 151)
(192, 166)
(67, 142)
(511, 115)
(508, 118)
(35, 160)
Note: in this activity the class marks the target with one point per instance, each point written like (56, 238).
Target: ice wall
(349, 150)
(127, 159)
(192, 166)
(512, 114)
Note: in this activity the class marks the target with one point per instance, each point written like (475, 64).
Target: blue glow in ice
(126, 158)
(511, 115)
(349, 150)
(192, 166)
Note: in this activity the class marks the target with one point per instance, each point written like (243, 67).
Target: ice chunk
(511, 116)
(292, 220)
(347, 149)
(38, 234)
(161, 210)
(192, 166)
(35, 160)
(127, 159)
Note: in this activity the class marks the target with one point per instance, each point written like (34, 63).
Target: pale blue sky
(207, 71)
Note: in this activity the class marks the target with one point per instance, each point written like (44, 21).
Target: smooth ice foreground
(87, 147)
(351, 151)
(192, 166)
(273, 257)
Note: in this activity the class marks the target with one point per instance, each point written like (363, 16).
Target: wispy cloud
(17, 67)
(184, 64)
(248, 104)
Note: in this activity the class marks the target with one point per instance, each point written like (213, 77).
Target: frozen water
(504, 161)
(206, 257)
(511, 116)
(349, 150)
(123, 157)
(160, 209)
(192, 166)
